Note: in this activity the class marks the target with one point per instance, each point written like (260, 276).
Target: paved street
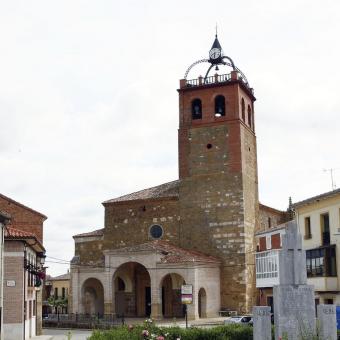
(61, 334)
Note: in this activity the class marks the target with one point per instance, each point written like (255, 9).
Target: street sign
(186, 294)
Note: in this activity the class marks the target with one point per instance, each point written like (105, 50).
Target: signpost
(186, 297)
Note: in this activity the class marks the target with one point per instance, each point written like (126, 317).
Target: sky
(89, 107)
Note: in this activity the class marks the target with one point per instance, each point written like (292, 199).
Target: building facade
(197, 230)
(23, 272)
(56, 293)
(318, 219)
(4, 219)
(319, 222)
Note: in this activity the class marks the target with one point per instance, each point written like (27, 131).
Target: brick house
(4, 219)
(23, 254)
(196, 230)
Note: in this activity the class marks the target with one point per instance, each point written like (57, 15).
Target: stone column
(262, 329)
(327, 321)
(156, 295)
(108, 293)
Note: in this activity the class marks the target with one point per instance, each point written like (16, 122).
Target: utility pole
(332, 179)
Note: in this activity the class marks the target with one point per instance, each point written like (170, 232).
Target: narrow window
(63, 293)
(308, 233)
(243, 110)
(269, 222)
(326, 238)
(56, 293)
(196, 109)
(219, 106)
(249, 116)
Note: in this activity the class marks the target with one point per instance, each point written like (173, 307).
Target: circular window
(156, 231)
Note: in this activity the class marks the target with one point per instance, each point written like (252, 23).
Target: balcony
(217, 79)
(267, 268)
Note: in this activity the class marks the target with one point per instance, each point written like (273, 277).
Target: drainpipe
(25, 309)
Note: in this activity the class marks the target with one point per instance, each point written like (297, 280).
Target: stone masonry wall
(128, 224)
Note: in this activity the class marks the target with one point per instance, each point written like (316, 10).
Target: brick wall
(13, 271)
(23, 218)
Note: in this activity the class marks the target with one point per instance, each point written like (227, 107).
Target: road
(61, 334)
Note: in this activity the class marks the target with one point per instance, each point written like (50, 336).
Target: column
(156, 295)
(108, 287)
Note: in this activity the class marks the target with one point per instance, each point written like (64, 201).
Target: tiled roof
(317, 198)
(23, 206)
(62, 277)
(165, 190)
(16, 234)
(267, 207)
(98, 232)
(170, 252)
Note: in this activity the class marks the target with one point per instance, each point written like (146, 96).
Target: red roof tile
(166, 190)
(16, 233)
(170, 252)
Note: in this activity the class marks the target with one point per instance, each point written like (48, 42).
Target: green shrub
(149, 331)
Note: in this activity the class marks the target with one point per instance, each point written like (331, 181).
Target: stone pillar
(262, 328)
(327, 321)
(108, 287)
(75, 289)
(156, 295)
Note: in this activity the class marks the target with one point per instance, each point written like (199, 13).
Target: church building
(197, 230)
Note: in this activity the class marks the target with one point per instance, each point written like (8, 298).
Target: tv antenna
(331, 170)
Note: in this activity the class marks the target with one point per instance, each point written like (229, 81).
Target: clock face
(215, 53)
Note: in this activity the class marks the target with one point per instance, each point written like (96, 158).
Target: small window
(326, 237)
(308, 233)
(269, 242)
(269, 222)
(196, 109)
(156, 231)
(219, 106)
(243, 110)
(63, 292)
(249, 116)
(56, 293)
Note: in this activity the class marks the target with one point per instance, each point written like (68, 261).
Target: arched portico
(92, 297)
(171, 295)
(132, 286)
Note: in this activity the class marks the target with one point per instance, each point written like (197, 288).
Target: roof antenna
(331, 170)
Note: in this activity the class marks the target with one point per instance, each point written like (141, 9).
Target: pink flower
(160, 337)
(145, 332)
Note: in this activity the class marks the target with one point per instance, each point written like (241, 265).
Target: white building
(319, 222)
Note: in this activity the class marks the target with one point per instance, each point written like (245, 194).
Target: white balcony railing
(267, 268)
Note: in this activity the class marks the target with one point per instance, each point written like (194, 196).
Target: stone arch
(92, 293)
(202, 303)
(132, 286)
(171, 295)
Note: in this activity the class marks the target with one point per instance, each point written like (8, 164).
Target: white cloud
(89, 108)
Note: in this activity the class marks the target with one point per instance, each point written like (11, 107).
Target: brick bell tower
(218, 173)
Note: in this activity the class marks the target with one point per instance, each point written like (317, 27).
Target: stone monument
(327, 322)
(262, 327)
(294, 304)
